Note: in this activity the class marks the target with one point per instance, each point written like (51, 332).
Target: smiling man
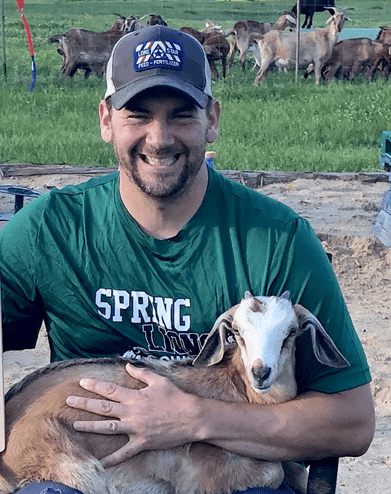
(142, 262)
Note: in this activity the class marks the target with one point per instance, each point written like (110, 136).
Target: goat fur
(41, 443)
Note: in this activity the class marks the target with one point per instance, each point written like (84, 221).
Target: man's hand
(155, 417)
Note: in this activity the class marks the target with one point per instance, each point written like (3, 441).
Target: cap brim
(121, 97)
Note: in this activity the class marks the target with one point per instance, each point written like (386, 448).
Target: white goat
(260, 368)
(314, 47)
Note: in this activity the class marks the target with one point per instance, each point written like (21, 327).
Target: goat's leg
(242, 58)
(213, 69)
(243, 47)
(232, 51)
(224, 66)
(317, 71)
(330, 74)
(353, 72)
(261, 74)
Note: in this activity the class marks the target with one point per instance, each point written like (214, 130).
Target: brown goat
(240, 34)
(88, 50)
(41, 443)
(216, 48)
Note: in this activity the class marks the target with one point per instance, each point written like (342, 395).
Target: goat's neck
(333, 32)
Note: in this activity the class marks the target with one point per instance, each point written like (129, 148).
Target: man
(142, 262)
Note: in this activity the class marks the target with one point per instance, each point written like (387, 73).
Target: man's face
(160, 140)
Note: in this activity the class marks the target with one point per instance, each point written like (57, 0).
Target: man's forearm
(314, 425)
(160, 416)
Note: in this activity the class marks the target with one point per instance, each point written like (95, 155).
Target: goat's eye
(292, 332)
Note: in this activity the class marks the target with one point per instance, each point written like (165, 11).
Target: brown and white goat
(314, 47)
(41, 443)
(241, 31)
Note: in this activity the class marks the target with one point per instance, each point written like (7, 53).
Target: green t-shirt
(76, 258)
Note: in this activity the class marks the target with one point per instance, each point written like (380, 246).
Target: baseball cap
(157, 56)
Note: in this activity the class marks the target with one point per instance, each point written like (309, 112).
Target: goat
(241, 31)
(309, 7)
(315, 47)
(384, 35)
(258, 366)
(210, 29)
(155, 19)
(351, 56)
(88, 50)
(214, 43)
(216, 48)
(383, 63)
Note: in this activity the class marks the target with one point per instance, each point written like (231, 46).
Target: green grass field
(282, 125)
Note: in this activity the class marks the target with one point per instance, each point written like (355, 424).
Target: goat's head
(288, 19)
(338, 17)
(265, 330)
(131, 24)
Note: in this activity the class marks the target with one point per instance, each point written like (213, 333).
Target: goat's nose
(260, 371)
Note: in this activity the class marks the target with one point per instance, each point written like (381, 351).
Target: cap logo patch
(155, 54)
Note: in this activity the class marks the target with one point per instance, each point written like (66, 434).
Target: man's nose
(159, 134)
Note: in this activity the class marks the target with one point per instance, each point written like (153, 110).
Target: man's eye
(138, 118)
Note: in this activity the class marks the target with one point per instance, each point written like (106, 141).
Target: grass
(282, 125)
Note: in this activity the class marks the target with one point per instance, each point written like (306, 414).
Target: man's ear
(105, 122)
(214, 117)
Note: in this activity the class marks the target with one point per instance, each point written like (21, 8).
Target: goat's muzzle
(261, 376)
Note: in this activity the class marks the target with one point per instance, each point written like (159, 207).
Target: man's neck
(163, 218)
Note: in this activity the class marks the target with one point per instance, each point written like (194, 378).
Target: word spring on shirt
(114, 305)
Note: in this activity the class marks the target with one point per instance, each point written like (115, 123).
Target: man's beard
(159, 188)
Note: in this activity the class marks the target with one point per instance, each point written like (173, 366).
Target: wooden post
(298, 38)
(2, 404)
(3, 38)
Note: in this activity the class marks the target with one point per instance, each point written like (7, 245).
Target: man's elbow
(362, 430)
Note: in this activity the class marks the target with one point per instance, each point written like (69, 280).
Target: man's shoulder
(96, 185)
(252, 201)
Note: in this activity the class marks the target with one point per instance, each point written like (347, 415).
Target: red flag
(29, 42)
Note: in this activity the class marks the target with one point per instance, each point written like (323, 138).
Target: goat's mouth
(262, 388)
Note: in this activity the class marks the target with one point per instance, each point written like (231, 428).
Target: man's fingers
(99, 407)
(107, 389)
(122, 454)
(108, 427)
(143, 374)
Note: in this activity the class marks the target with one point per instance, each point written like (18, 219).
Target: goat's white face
(265, 329)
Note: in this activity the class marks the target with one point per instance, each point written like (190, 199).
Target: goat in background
(257, 367)
(314, 47)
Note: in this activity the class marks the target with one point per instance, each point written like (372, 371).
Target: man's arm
(314, 425)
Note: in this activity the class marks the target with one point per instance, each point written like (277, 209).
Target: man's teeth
(151, 160)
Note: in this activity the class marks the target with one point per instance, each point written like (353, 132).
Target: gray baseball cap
(158, 56)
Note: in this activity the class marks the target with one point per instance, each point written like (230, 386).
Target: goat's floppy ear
(323, 346)
(213, 350)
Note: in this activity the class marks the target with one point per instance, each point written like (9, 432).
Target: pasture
(282, 125)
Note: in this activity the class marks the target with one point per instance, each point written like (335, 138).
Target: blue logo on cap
(157, 54)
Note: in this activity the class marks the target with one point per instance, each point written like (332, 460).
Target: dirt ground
(342, 212)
